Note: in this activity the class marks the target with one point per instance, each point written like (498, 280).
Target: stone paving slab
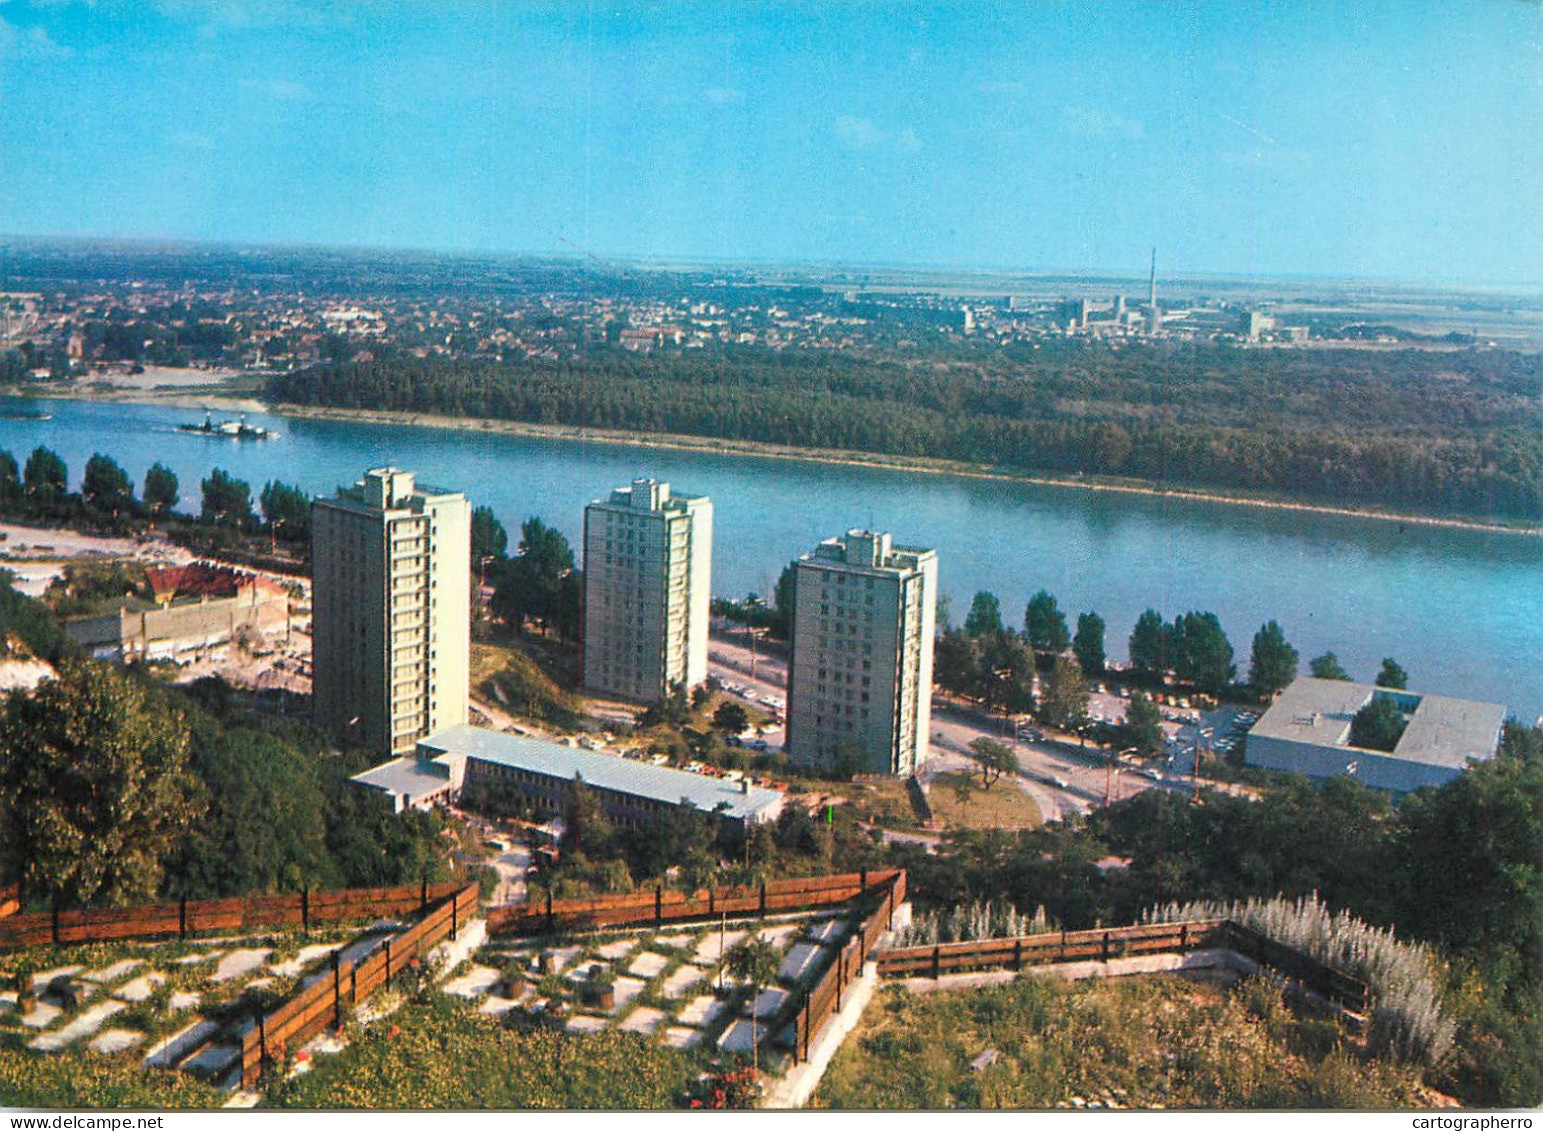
(826, 930)
(473, 984)
(42, 1016)
(184, 999)
(140, 988)
(675, 942)
(498, 1006)
(679, 1037)
(213, 1061)
(800, 960)
(307, 956)
(779, 935)
(583, 1023)
(768, 1001)
(684, 977)
(114, 973)
(643, 1019)
(611, 951)
(43, 977)
(238, 964)
(180, 1043)
(563, 957)
(716, 945)
(626, 990)
(362, 948)
(741, 1036)
(203, 956)
(109, 1041)
(83, 1026)
(648, 965)
(701, 1011)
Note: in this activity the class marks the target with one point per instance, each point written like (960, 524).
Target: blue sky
(1365, 139)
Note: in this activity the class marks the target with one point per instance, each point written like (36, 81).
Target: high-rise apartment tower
(647, 585)
(860, 682)
(391, 598)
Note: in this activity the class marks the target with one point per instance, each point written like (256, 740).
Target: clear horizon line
(682, 261)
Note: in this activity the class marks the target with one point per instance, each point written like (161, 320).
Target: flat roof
(604, 771)
(404, 777)
(1442, 731)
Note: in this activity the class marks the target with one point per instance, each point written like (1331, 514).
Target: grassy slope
(1142, 1043)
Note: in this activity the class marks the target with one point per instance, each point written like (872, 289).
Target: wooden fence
(1123, 942)
(191, 916)
(660, 906)
(827, 996)
(326, 1001)
(1322, 979)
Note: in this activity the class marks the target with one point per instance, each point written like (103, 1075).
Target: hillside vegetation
(1151, 1042)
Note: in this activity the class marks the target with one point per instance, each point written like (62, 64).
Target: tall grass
(970, 921)
(1403, 978)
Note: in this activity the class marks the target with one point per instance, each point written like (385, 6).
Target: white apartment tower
(391, 601)
(647, 583)
(860, 681)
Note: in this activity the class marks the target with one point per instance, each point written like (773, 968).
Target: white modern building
(860, 680)
(391, 603)
(647, 587)
(1307, 731)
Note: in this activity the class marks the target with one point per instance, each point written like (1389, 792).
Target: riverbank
(919, 464)
(223, 398)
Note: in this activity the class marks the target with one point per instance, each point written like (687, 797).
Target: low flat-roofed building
(542, 773)
(1307, 731)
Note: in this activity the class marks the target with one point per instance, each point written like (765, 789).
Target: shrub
(1403, 978)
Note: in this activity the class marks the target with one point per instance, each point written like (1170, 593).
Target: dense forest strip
(1453, 434)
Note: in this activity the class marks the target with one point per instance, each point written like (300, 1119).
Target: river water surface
(1461, 610)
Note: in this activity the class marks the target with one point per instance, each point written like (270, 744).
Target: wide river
(1462, 611)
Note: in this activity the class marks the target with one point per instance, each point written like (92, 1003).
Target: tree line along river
(1461, 610)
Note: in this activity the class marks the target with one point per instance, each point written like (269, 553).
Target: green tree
(10, 479)
(985, 615)
(1045, 625)
(227, 501)
(754, 962)
(955, 662)
(1471, 859)
(1149, 645)
(1088, 645)
(780, 624)
(94, 786)
(105, 486)
(160, 489)
(264, 820)
(1202, 655)
(1392, 675)
(1005, 674)
(994, 758)
(1274, 662)
(1143, 727)
(489, 539)
(589, 829)
(1064, 704)
(535, 585)
(1327, 666)
(287, 511)
(1378, 725)
(46, 479)
(731, 718)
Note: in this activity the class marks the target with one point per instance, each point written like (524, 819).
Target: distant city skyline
(1354, 141)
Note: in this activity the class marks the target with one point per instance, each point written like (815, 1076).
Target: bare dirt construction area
(276, 660)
